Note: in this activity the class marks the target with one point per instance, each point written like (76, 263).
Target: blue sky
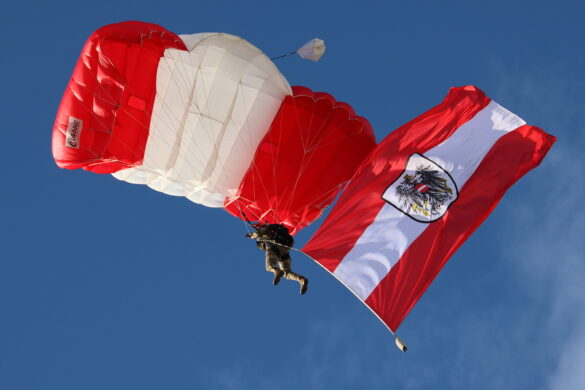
(108, 285)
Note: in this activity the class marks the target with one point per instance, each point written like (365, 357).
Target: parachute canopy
(206, 116)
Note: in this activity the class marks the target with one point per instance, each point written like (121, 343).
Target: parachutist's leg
(285, 265)
(272, 266)
(271, 261)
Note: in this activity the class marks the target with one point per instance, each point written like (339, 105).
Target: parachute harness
(276, 243)
(250, 224)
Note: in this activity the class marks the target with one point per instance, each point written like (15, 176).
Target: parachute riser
(246, 218)
(264, 240)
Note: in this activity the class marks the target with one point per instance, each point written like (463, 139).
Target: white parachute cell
(214, 103)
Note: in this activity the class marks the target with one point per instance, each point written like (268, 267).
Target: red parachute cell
(103, 120)
(311, 150)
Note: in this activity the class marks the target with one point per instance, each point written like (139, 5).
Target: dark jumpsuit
(276, 242)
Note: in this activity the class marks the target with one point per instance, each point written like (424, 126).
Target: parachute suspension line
(90, 109)
(247, 134)
(275, 161)
(181, 81)
(168, 118)
(304, 163)
(249, 224)
(283, 55)
(323, 143)
(249, 139)
(300, 171)
(249, 130)
(306, 148)
(261, 185)
(309, 144)
(276, 203)
(113, 102)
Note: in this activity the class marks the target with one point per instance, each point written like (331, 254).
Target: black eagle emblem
(426, 191)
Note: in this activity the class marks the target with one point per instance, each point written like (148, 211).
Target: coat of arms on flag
(424, 191)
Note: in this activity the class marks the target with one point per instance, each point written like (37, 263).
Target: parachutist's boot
(304, 285)
(277, 275)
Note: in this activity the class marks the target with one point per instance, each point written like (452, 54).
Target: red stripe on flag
(348, 219)
(510, 158)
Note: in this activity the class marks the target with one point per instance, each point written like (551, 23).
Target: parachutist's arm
(253, 235)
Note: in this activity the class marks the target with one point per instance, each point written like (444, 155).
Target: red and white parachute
(209, 117)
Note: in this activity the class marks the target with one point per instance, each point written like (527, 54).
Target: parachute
(209, 117)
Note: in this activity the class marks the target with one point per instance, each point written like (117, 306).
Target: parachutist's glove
(249, 235)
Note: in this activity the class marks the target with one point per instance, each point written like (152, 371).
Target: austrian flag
(419, 195)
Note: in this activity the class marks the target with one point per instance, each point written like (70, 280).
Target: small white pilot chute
(312, 50)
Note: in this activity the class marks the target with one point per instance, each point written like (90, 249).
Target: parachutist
(276, 241)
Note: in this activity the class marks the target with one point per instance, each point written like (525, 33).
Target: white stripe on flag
(384, 242)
